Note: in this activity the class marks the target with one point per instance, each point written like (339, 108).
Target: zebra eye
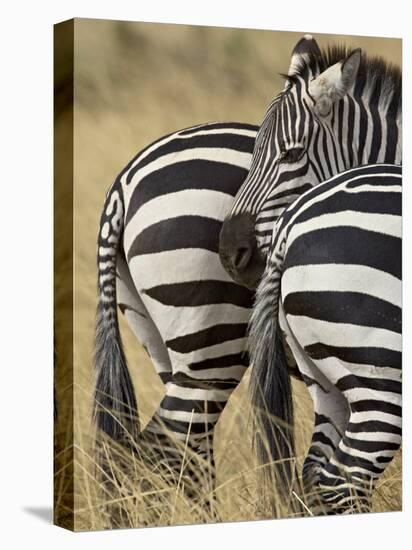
(292, 155)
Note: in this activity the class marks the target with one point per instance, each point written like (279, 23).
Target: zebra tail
(270, 386)
(115, 405)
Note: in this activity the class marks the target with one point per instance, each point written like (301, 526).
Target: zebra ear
(306, 46)
(335, 82)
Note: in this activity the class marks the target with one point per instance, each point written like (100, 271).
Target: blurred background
(134, 82)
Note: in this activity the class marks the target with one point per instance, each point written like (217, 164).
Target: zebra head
(337, 110)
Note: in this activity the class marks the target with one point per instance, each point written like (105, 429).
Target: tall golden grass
(135, 82)
(123, 489)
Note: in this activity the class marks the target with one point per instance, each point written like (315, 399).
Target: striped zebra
(333, 286)
(158, 262)
(338, 110)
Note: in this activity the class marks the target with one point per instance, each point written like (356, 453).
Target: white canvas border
(27, 270)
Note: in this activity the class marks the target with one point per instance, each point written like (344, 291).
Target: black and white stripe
(338, 110)
(333, 286)
(159, 232)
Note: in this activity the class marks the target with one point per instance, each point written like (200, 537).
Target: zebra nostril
(242, 257)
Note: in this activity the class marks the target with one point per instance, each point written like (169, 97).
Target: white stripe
(383, 189)
(375, 436)
(198, 394)
(177, 266)
(372, 456)
(336, 370)
(359, 394)
(379, 223)
(343, 278)
(188, 416)
(366, 416)
(311, 331)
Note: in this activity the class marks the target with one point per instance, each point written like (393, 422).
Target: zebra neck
(368, 133)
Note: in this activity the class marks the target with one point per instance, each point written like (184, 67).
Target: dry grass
(134, 83)
(128, 492)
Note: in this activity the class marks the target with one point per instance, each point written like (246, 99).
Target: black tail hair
(115, 406)
(270, 386)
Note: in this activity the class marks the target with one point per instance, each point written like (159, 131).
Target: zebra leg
(370, 441)
(331, 415)
(331, 418)
(179, 437)
(140, 321)
(177, 443)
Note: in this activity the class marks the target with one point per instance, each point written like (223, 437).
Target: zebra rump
(361, 205)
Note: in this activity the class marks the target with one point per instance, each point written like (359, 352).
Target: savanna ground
(134, 82)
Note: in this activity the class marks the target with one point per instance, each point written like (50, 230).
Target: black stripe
(363, 128)
(321, 419)
(353, 461)
(370, 446)
(200, 293)
(384, 459)
(392, 129)
(190, 174)
(372, 202)
(315, 149)
(375, 405)
(336, 245)
(334, 150)
(373, 426)
(177, 233)
(171, 403)
(221, 362)
(212, 336)
(378, 357)
(326, 152)
(286, 119)
(345, 307)
(303, 115)
(193, 427)
(351, 381)
(219, 126)
(320, 437)
(350, 125)
(376, 133)
(185, 381)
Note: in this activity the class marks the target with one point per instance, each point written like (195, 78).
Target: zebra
(158, 262)
(333, 286)
(338, 110)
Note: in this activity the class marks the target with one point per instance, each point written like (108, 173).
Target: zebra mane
(377, 78)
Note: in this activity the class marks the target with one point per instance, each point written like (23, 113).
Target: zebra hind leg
(371, 439)
(331, 418)
(178, 448)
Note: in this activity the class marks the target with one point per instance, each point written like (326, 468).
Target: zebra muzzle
(239, 252)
